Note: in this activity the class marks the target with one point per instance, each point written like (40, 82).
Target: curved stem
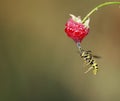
(96, 8)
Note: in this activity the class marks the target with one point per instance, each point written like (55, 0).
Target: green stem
(96, 8)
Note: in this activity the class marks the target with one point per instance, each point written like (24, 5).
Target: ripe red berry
(75, 29)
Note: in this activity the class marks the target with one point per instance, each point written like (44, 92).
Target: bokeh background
(38, 62)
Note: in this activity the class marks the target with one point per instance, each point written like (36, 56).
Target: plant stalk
(97, 7)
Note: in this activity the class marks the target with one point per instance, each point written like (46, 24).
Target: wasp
(88, 57)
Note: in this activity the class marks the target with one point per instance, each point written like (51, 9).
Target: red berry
(75, 29)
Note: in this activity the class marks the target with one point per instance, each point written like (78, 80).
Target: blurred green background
(38, 62)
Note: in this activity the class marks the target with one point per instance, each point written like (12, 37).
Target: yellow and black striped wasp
(88, 57)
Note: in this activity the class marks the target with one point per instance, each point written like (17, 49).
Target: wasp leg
(88, 69)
